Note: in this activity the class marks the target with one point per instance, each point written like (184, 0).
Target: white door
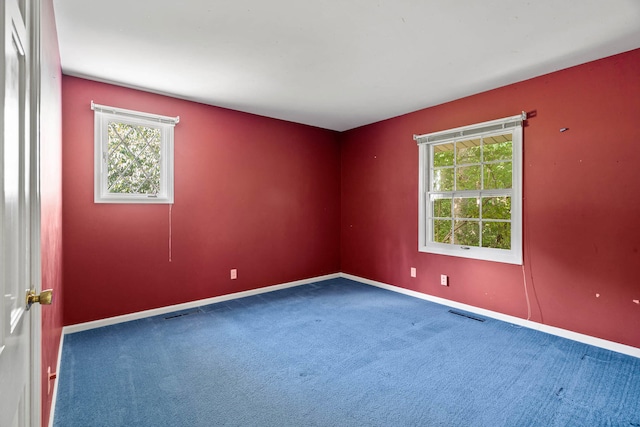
(15, 217)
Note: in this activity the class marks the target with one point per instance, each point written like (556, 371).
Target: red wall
(51, 203)
(281, 202)
(581, 204)
(251, 193)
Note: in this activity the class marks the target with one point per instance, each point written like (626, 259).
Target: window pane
(496, 207)
(442, 179)
(498, 147)
(442, 230)
(467, 233)
(442, 208)
(466, 207)
(497, 175)
(468, 151)
(133, 165)
(443, 155)
(470, 191)
(496, 235)
(468, 178)
(122, 184)
(120, 169)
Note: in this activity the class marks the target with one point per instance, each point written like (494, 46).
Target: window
(471, 191)
(133, 156)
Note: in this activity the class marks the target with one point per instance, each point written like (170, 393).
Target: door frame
(35, 194)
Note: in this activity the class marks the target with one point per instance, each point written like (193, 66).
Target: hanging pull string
(170, 208)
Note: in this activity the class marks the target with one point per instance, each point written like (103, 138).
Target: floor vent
(173, 316)
(459, 313)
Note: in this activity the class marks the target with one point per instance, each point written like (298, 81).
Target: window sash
(102, 117)
(427, 217)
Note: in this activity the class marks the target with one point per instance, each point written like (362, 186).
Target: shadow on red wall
(251, 193)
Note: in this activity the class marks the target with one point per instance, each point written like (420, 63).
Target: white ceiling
(336, 64)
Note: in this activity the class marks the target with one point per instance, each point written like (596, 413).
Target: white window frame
(102, 116)
(425, 143)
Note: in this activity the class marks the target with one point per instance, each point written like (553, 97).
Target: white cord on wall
(526, 293)
(170, 207)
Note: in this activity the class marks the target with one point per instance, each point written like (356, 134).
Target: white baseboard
(586, 339)
(192, 304)
(564, 333)
(55, 383)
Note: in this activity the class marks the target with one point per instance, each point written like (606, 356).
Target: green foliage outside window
(133, 163)
(472, 165)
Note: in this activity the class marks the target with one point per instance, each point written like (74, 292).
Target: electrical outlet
(444, 280)
(234, 274)
(413, 272)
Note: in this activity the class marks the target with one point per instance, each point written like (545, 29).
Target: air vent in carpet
(459, 313)
(173, 316)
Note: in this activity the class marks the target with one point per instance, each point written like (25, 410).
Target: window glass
(496, 207)
(443, 155)
(498, 147)
(133, 160)
(468, 151)
(468, 178)
(473, 189)
(497, 175)
(467, 233)
(496, 235)
(443, 179)
(466, 207)
(442, 208)
(133, 165)
(442, 231)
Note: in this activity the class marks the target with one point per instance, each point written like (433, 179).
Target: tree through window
(133, 156)
(133, 159)
(470, 191)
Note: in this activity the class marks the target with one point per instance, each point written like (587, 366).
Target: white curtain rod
(490, 126)
(132, 113)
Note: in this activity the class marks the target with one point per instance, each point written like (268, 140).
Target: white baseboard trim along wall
(55, 383)
(586, 339)
(188, 305)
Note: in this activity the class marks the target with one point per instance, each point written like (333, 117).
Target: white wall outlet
(234, 274)
(444, 280)
(413, 272)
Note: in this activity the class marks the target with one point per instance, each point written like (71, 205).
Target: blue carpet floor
(338, 353)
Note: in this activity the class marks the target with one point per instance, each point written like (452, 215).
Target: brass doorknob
(44, 298)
